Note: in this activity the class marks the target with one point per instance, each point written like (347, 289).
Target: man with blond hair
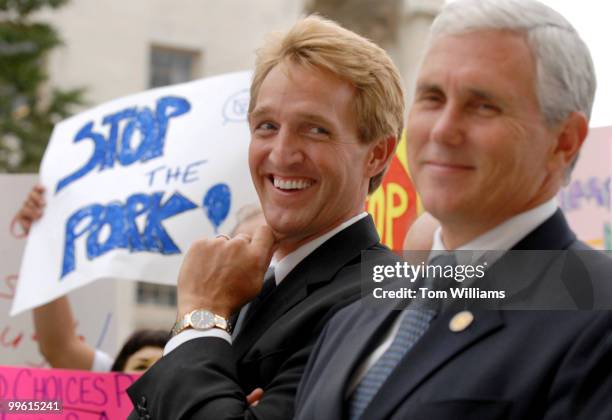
(325, 114)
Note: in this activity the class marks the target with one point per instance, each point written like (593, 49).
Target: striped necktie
(413, 325)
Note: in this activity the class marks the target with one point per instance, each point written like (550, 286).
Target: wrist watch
(201, 320)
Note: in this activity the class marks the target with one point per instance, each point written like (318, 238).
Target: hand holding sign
(30, 211)
(221, 275)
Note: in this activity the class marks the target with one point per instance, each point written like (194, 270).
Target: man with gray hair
(501, 109)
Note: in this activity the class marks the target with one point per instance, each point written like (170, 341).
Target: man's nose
(286, 149)
(449, 126)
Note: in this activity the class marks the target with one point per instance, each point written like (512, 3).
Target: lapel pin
(461, 321)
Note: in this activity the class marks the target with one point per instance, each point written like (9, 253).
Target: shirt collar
(283, 267)
(504, 236)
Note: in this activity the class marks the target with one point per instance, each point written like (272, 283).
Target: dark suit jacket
(506, 365)
(207, 378)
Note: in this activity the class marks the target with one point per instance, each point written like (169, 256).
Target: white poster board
(94, 307)
(133, 182)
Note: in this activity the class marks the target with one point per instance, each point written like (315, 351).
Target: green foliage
(25, 7)
(27, 111)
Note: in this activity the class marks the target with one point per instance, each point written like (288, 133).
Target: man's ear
(570, 137)
(381, 153)
(420, 233)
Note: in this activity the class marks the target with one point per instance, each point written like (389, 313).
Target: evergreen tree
(28, 111)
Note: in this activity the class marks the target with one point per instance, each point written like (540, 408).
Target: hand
(221, 274)
(31, 211)
(254, 397)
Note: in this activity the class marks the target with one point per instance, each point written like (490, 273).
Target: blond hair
(324, 44)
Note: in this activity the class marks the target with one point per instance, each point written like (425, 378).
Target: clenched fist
(221, 274)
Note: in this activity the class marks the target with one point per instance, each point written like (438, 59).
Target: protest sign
(394, 206)
(133, 182)
(63, 394)
(94, 308)
(586, 200)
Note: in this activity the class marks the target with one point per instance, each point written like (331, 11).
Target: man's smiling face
(308, 166)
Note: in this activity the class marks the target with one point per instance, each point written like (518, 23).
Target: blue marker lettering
(142, 139)
(120, 220)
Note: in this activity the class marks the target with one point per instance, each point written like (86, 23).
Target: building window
(167, 67)
(158, 294)
(170, 66)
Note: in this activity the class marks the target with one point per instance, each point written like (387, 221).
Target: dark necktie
(413, 325)
(246, 313)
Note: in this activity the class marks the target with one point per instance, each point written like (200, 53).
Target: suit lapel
(280, 301)
(521, 271)
(553, 234)
(439, 344)
(429, 354)
(317, 269)
(356, 346)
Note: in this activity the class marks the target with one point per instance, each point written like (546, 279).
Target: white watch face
(202, 320)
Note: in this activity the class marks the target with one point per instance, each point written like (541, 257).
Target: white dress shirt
(281, 269)
(102, 362)
(501, 238)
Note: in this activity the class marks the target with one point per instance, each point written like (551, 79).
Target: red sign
(394, 205)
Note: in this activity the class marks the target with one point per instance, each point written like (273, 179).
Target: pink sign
(63, 394)
(586, 200)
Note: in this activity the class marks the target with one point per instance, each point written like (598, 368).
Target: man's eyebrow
(428, 88)
(477, 93)
(308, 116)
(481, 94)
(315, 118)
(259, 111)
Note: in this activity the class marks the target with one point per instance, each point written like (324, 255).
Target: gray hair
(565, 75)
